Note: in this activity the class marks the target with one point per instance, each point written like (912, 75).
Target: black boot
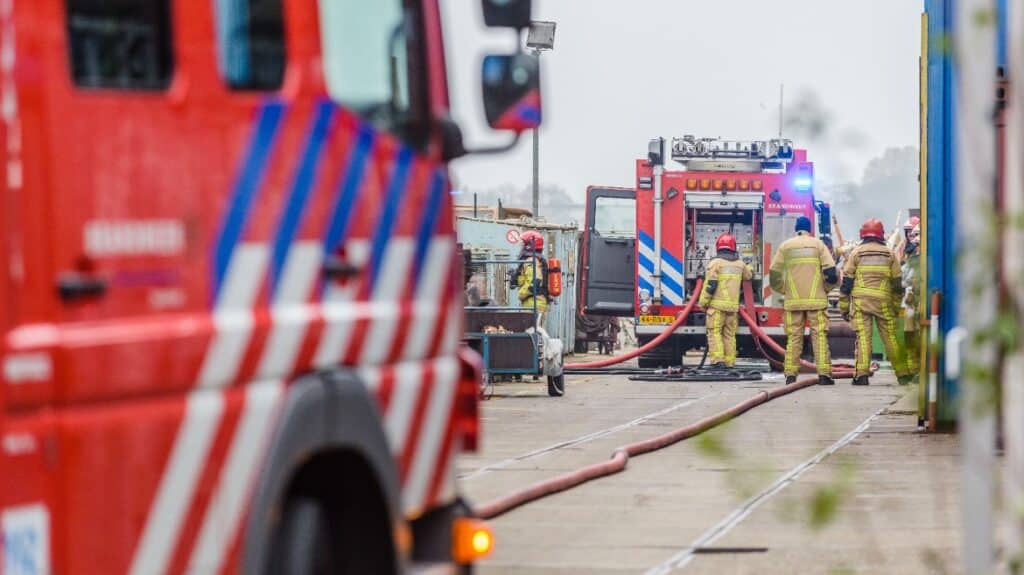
(717, 366)
(825, 380)
(790, 379)
(860, 380)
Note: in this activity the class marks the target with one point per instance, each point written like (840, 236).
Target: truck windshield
(360, 64)
(615, 217)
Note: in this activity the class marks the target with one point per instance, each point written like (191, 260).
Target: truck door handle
(615, 241)
(75, 286)
(337, 268)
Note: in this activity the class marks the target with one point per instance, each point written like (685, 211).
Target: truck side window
(372, 60)
(121, 44)
(615, 217)
(250, 43)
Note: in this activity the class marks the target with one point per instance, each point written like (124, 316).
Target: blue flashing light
(802, 184)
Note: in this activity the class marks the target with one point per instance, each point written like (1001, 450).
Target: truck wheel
(556, 385)
(304, 545)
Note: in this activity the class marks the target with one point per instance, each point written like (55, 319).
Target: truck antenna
(782, 97)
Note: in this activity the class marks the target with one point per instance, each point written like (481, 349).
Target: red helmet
(912, 223)
(872, 229)
(725, 242)
(532, 240)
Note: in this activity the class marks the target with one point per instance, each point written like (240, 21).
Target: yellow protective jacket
(873, 277)
(722, 284)
(528, 288)
(797, 272)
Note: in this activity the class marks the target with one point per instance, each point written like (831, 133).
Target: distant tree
(889, 184)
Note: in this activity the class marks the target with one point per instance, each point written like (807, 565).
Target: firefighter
(911, 276)
(531, 277)
(908, 228)
(804, 271)
(721, 299)
(871, 280)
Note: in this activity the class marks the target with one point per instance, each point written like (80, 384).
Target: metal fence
(489, 239)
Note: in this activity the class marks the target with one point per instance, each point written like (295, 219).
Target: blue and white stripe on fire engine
(671, 271)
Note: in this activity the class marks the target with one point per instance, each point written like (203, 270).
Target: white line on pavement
(582, 439)
(683, 558)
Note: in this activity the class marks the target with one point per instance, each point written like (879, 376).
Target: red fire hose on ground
(620, 457)
(838, 371)
(669, 330)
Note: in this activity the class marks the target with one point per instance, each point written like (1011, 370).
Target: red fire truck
(230, 294)
(646, 246)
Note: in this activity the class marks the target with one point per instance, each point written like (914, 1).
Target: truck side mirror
(507, 13)
(824, 218)
(511, 90)
(656, 152)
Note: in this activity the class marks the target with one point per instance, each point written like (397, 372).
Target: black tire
(319, 537)
(304, 545)
(556, 385)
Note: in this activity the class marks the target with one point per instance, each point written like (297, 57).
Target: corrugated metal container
(489, 239)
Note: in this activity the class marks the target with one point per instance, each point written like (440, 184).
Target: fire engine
(646, 246)
(231, 309)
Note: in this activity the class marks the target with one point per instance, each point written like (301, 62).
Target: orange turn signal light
(472, 539)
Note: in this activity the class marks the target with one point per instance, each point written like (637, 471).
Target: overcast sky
(624, 71)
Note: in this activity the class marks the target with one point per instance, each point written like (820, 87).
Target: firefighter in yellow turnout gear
(872, 282)
(804, 271)
(720, 297)
(531, 277)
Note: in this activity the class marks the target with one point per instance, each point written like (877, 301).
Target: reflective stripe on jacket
(730, 275)
(528, 288)
(796, 272)
(875, 271)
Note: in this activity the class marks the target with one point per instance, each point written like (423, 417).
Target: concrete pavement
(743, 501)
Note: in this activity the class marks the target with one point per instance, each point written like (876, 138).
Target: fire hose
(620, 457)
(839, 371)
(669, 330)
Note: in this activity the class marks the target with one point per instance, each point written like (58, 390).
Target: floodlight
(541, 35)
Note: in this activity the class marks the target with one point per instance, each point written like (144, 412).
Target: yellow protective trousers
(818, 322)
(862, 320)
(912, 343)
(721, 327)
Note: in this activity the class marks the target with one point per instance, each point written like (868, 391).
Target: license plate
(655, 319)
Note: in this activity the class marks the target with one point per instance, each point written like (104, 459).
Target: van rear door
(609, 267)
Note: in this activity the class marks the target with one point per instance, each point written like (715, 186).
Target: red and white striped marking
(233, 317)
(423, 445)
(198, 512)
(416, 396)
(237, 478)
(203, 412)
(290, 310)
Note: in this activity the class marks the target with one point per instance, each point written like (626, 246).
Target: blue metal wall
(941, 214)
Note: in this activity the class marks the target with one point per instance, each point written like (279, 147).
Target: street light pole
(541, 37)
(536, 156)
